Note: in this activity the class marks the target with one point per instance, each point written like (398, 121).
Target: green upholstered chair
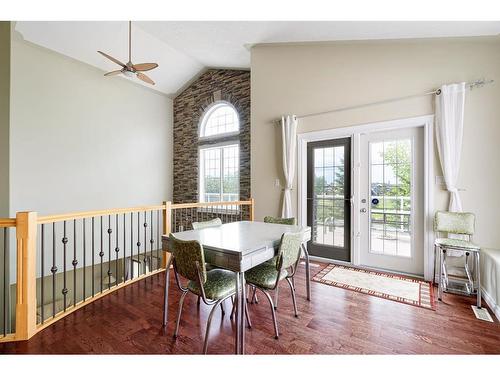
(274, 220)
(267, 276)
(206, 224)
(213, 287)
(279, 220)
(461, 223)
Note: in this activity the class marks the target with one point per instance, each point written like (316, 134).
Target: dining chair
(274, 220)
(214, 286)
(461, 223)
(267, 276)
(207, 224)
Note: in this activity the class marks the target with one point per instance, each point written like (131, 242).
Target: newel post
(167, 227)
(252, 209)
(26, 228)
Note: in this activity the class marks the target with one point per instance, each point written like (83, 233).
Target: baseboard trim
(492, 304)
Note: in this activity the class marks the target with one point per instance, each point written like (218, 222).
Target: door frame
(355, 132)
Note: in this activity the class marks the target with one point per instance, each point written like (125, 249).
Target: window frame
(201, 172)
(206, 115)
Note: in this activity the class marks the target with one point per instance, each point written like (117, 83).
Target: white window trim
(201, 168)
(206, 114)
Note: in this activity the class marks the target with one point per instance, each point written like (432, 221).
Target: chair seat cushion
(456, 243)
(220, 283)
(264, 275)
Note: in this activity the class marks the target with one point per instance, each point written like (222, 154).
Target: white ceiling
(184, 48)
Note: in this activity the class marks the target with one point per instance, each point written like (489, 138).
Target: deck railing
(64, 262)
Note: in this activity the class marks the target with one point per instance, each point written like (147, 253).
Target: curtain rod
(470, 85)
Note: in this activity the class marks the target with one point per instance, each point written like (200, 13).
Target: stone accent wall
(214, 85)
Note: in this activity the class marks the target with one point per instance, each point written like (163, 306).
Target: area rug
(384, 285)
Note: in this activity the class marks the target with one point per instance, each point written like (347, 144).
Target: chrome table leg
(241, 312)
(237, 301)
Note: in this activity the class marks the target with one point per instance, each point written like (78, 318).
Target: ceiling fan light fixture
(128, 73)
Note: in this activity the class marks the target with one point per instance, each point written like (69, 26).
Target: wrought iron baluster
(93, 254)
(124, 247)
(158, 240)
(174, 213)
(131, 245)
(101, 252)
(84, 259)
(151, 241)
(139, 241)
(74, 262)
(117, 250)
(145, 241)
(53, 270)
(42, 273)
(4, 281)
(109, 251)
(64, 241)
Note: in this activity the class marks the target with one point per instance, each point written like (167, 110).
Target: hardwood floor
(336, 321)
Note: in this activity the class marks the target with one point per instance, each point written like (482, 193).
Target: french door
(329, 198)
(392, 200)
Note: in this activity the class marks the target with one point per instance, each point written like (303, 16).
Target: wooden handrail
(7, 223)
(210, 204)
(86, 214)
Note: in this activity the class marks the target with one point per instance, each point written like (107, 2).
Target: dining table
(238, 246)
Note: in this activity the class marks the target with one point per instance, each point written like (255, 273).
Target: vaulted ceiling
(184, 48)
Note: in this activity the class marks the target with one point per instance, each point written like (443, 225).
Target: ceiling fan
(130, 69)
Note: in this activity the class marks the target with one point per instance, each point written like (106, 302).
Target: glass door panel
(328, 199)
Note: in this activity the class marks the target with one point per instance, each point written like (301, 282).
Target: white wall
(80, 141)
(4, 116)
(308, 78)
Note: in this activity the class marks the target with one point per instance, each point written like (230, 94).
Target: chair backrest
(454, 222)
(278, 220)
(289, 250)
(206, 224)
(186, 254)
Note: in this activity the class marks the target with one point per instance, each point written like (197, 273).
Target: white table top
(241, 237)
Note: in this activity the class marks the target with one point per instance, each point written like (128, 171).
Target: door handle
(363, 210)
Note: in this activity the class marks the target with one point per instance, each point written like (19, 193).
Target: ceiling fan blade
(112, 59)
(144, 67)
(113, 73)
(145, 78)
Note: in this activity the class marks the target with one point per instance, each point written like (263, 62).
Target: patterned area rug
(389, 286)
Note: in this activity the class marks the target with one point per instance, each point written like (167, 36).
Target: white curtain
(449, 131)
(289, 141)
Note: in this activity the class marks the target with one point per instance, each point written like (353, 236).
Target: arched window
(219, 172)
(219, 119)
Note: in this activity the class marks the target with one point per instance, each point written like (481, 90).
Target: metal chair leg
(276, 293)
(209, 322)
(254, 296)
(478, 277)
(276, 334)
(222, 309)
(293, 297)
(440, 282)
(233, 310)
(247, 314)
(181, 302)
(199, 300)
